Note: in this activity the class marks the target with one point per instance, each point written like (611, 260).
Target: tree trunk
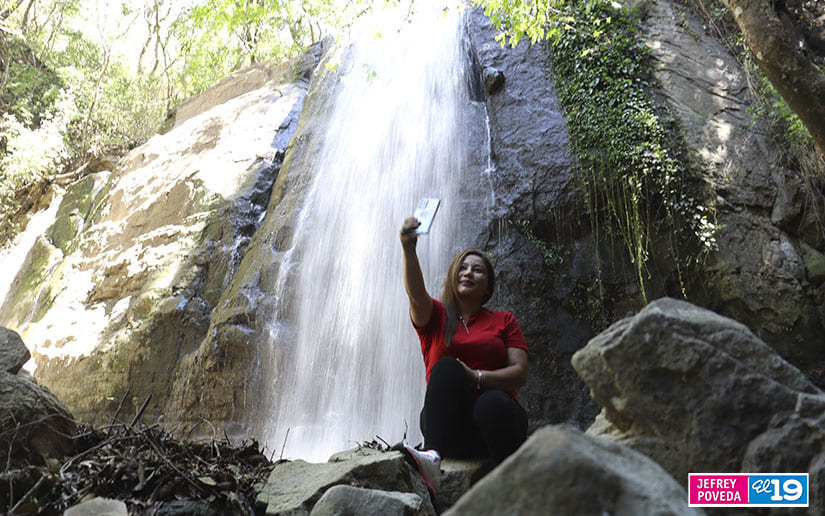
(794, 75)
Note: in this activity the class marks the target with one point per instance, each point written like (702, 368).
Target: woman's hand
(472, 374)
(511, 377)
(408, 235)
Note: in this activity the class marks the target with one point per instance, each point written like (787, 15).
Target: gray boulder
(13, 353)
(457, 477)
(345, 500)
(296, 487)
(563, 471)
(98, 507)
(34, 424)
(698, 392)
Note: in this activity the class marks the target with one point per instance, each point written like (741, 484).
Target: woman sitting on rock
(475, 359)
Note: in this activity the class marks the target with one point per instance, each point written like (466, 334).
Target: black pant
(458, 425)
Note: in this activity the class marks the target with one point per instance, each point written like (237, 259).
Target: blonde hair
(449, 296)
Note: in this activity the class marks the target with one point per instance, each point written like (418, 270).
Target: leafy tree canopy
(81, 78)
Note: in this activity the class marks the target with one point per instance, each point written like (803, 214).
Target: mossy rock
(814, 264)
(36, 269)
(74, 210)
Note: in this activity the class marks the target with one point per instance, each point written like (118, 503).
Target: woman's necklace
(461, 317)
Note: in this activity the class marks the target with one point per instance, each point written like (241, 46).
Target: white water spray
(348, 363)
(13, 256)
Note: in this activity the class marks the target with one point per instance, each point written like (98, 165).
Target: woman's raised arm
(421, 304)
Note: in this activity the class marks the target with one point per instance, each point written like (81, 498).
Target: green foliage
(552, 254)
(632, 186)
(218, 37)
(124, 112)
(786, 129)
(517, 19)
(587, 301)
(586, 298)
(32, 153)
(68, 95)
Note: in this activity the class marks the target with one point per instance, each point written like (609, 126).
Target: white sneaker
(429, 465)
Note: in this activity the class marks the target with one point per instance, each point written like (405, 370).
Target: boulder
(562, 471)
(34, 424)
(342, 500)
(457, 477)
(98, 507)
(13, 353)
(698, 392)
(296, 487)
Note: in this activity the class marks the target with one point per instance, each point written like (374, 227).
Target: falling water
(12, 257)
(349, 364)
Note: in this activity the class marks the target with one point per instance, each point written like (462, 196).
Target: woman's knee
(502, 423)
(498, 409)
(447, 367)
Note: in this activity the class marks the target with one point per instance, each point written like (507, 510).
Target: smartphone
(425, 213)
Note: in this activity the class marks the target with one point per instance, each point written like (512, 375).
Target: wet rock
(530, 175)
(75, 209)
(699, 392)
(562, 471)
(243, 299)
(814, 264)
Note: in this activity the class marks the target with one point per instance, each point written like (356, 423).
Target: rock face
(698, 392)
(218, 381)
(560, 470)
(764, 272)
(121, 287)
(530, 178)
(34, 424)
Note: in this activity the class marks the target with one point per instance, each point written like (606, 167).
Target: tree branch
(794, 75)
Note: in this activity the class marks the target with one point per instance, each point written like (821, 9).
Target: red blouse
(481, 345)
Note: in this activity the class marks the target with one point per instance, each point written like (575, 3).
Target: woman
(475, 360)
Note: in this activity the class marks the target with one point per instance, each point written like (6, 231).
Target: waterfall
(349, 365)
(13, 256)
